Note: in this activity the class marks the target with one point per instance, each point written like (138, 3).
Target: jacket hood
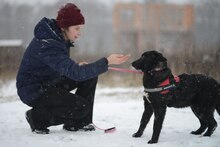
(47, 29)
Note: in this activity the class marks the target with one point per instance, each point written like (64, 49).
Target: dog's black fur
(200, 92)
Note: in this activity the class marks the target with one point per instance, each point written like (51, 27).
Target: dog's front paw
(137, 134)
(152, 141)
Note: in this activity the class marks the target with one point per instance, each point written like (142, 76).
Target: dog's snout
(134, 64)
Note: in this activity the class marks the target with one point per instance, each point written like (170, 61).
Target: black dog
(162, 89)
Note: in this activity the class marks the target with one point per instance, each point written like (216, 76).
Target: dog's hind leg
(207, 116)
(211, 123)
(201, 129)
(203, 125)
(148, 111)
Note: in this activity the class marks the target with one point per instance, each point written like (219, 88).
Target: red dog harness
(164, 87)
(167, 83)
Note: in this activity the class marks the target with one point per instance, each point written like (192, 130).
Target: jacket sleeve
(55, 57)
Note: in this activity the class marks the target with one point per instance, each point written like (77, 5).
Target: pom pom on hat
(69, 15)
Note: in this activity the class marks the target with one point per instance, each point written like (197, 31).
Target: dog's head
(149, 61)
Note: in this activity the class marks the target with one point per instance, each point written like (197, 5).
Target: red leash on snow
(109, 130)
(125, 70)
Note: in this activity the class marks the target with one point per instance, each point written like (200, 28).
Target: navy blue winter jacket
(47, 59)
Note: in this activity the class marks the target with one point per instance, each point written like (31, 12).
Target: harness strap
(160, 88)
(165, 86)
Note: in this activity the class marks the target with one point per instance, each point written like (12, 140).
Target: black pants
(59, 106)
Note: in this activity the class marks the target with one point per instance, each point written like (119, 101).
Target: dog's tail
(218, 108)
(218, 105)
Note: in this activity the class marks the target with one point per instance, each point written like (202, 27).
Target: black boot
(88, 127)
(38, 130)
(70, 127)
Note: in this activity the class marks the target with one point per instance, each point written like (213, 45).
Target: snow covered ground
(119, 107)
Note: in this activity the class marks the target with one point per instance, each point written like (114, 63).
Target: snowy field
(119, 107)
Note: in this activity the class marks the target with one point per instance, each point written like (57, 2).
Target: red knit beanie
(69, 15)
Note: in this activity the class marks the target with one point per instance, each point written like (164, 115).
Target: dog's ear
(157, 56)
(160, 57)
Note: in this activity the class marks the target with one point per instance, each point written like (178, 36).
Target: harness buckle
(146, 96)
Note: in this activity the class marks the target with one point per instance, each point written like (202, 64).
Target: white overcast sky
(108, 2)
